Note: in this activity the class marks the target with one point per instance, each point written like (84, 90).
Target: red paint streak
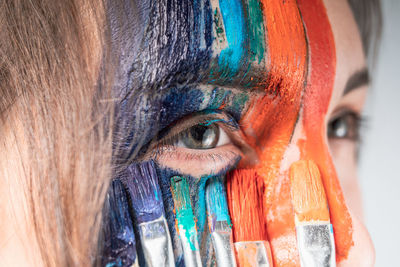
(316, 101)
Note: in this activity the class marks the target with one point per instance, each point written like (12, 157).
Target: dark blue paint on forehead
(156, 43)
(163, 43)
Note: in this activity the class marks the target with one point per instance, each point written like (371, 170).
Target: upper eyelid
(344, 111)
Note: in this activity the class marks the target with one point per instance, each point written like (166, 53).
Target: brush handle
(223, 244)
(156, 243)
(190, 246)
(316, 245)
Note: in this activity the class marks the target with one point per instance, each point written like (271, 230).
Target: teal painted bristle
(184, 212)
(217, 205)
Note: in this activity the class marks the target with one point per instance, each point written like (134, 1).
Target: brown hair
(55, 117)
(56, 121)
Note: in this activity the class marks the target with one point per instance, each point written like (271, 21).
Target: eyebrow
(356, 80)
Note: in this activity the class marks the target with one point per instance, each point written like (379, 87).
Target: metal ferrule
(191, 250)
(256, 253)
(316, 245)
(223, 244)
(156, 243)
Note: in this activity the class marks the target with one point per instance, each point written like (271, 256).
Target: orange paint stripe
(270, 121)
(245, 199)
(316, 101)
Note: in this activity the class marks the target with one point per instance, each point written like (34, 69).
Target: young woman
(199, 87)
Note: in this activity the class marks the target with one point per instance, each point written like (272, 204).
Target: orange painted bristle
(245, 191)
(308, 194)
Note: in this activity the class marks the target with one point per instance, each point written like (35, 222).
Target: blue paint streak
(233, 17)
(216, 200)
(200, 208)
(119, 246)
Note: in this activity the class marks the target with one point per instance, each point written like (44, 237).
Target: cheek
(343, 154)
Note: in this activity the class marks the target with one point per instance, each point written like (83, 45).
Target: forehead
(178, 56)
(230, 42)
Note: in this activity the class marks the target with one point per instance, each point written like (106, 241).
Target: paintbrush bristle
(217, 205)
(181, 196)
(245, 199)
(118, 234)
(308, 194)
(141, 181)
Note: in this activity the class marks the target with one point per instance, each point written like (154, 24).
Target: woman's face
(210, 86)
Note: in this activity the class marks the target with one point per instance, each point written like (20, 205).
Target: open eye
(201, 144)
(345, 126)
(202, 136)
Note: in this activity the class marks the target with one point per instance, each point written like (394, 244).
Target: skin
(146, 82)
(264, 141)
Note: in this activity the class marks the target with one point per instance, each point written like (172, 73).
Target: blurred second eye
(345, 126)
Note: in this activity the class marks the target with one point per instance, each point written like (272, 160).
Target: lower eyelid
(198, 163)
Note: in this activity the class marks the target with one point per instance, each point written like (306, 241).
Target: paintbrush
(220, 223)
(148, 210)
(118, 234)
(313, 228)
(245, 197)
(186, 226)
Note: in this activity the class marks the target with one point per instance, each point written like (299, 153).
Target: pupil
(339, 128)
(202, 137)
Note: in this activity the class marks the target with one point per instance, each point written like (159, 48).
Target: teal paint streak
(240, 100)
(201, 207)
(209, 122)
(256, 30)
(217, 205)
(218, 97)
(233, 17)
(184, 211)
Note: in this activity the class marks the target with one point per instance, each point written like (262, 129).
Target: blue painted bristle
(217, 205)
(119, 247)
(142, 183)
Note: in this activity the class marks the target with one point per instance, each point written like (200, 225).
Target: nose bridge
(308, 142)
(315, 147)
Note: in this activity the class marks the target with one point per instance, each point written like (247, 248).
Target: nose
(353, 246)
(363, 252)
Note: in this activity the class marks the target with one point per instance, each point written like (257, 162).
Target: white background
(380, 154)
